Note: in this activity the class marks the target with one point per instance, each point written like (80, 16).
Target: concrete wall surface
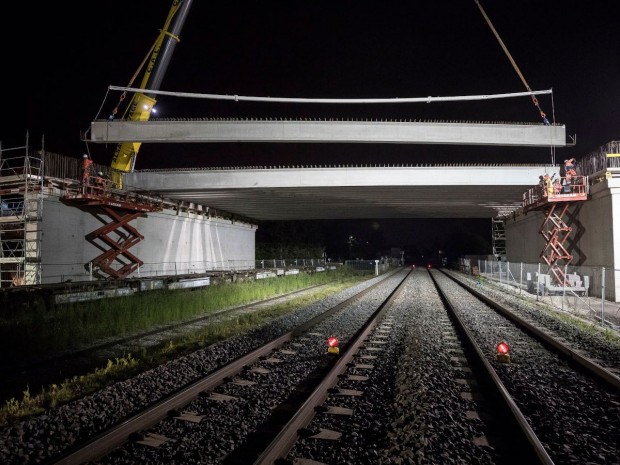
(591, 241)
(174, 242)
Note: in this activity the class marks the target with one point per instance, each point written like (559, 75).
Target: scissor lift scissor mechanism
(116, 210)
(555, 204)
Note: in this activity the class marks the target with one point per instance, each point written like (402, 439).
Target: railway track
(417, 380)
(567, 404)
(551, 404)
(43, 371)
(278, 373)
(434, 344)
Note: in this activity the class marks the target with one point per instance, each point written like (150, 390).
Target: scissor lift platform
(117, 236)
(539, 197)
(555, 202)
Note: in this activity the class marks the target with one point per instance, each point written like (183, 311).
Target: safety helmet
(84, 156)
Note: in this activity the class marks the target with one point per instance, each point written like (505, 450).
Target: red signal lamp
(332, 345)
(503, 352)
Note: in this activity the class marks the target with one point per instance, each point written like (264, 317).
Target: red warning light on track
(503, 352)
(502, 348)
(332, 345)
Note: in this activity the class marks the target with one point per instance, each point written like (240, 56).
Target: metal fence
(598, 160)
(67, 272)
(80, 272)
(535, 280)
(368, 266)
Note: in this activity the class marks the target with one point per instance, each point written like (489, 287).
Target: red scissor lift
(555, 202)
(117, 236)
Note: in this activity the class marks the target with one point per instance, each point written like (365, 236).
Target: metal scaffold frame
(499, 238)
(21, 186)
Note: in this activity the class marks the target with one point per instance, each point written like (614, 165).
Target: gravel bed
(413, 411)
(576, 418)
(248, 407)
(592, 343)
(37, 439)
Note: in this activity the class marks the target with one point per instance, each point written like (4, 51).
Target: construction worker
(548, 186)
(569, 167)
(568, 182)
(87, 164)
(541, 188)
(99, 181)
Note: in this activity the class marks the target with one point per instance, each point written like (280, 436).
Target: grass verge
(132, 364)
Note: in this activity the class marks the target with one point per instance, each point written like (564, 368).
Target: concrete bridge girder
(347, 193)
(203, 131)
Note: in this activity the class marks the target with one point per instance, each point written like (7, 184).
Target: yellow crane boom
(142, 104)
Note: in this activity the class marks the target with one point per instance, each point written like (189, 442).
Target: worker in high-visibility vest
(569, 167)
(87, 166)
(548, 192)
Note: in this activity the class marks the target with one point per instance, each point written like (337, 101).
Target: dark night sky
(59, 59)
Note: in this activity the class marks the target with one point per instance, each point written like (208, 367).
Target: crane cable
(514, 64)
(134, 77)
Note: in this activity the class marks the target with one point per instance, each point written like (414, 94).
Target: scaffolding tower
(21, 186)
(499, 239)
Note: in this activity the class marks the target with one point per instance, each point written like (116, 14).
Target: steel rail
(590, 365)
(537, 447)
(114, 437)
(287, 437)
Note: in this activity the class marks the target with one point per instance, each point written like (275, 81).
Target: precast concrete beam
(399, 132)
(347, 192)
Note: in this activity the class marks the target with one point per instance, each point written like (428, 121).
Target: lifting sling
(514, 64)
